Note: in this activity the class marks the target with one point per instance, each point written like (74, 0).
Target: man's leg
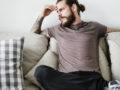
(52, 79)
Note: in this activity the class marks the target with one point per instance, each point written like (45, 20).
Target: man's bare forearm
(36, 28)
(46, 11)
(112, 30)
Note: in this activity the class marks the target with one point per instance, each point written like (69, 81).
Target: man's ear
(74, 7)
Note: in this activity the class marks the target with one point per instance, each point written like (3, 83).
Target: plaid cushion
(11, 77)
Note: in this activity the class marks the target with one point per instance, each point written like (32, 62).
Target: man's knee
(41, 72)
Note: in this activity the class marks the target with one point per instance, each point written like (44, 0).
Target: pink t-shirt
(78, 46)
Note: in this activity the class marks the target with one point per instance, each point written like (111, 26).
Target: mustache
(60, 17)
(63, 17)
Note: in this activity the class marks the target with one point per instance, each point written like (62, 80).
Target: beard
(70, 20)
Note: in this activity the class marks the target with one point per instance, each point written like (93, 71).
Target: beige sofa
(39, 51)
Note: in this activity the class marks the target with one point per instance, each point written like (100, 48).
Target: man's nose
(59, 13)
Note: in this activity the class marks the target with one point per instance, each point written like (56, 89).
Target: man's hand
(47, 10)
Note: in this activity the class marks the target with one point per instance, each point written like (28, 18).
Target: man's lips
(61, 18)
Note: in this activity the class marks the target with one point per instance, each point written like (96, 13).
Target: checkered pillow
(11, 77)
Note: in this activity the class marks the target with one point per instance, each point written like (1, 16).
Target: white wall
(19, 15)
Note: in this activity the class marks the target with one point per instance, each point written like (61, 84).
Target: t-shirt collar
(77, 26)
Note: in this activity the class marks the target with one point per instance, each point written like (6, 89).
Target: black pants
(52, 79)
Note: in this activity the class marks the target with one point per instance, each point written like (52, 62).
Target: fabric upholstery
(34, 48)
(114, 50)
(29, 85)
(49, 59)
(103, 60)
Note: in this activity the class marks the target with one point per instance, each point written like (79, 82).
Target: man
(77, 46)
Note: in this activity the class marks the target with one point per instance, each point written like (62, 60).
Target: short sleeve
(101, 29)
(51, 32)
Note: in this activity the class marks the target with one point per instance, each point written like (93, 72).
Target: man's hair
(80, 7)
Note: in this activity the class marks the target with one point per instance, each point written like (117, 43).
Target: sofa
(38, 50)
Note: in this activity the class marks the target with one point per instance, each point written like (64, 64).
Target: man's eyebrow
(61, 8)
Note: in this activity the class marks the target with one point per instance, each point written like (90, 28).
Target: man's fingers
(51, 7)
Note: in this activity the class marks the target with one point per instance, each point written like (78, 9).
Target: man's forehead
(61, 4)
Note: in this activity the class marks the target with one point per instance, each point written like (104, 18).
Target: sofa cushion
(29, 85)
(103, 59)
(34, 48)
(11, 56)
(114, 49)
(49, 59)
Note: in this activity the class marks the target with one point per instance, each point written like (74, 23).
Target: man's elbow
(47, 36)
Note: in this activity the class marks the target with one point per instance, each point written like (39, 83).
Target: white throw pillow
(11, 75)
(114, 48)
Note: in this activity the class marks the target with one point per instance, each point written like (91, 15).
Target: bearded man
(78, 50)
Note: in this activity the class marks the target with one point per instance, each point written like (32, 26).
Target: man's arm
(112, 30)
(37, 25)
(36, 28)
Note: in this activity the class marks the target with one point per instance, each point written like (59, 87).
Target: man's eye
(61, 9)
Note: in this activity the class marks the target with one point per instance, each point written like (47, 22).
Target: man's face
(65, 13)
